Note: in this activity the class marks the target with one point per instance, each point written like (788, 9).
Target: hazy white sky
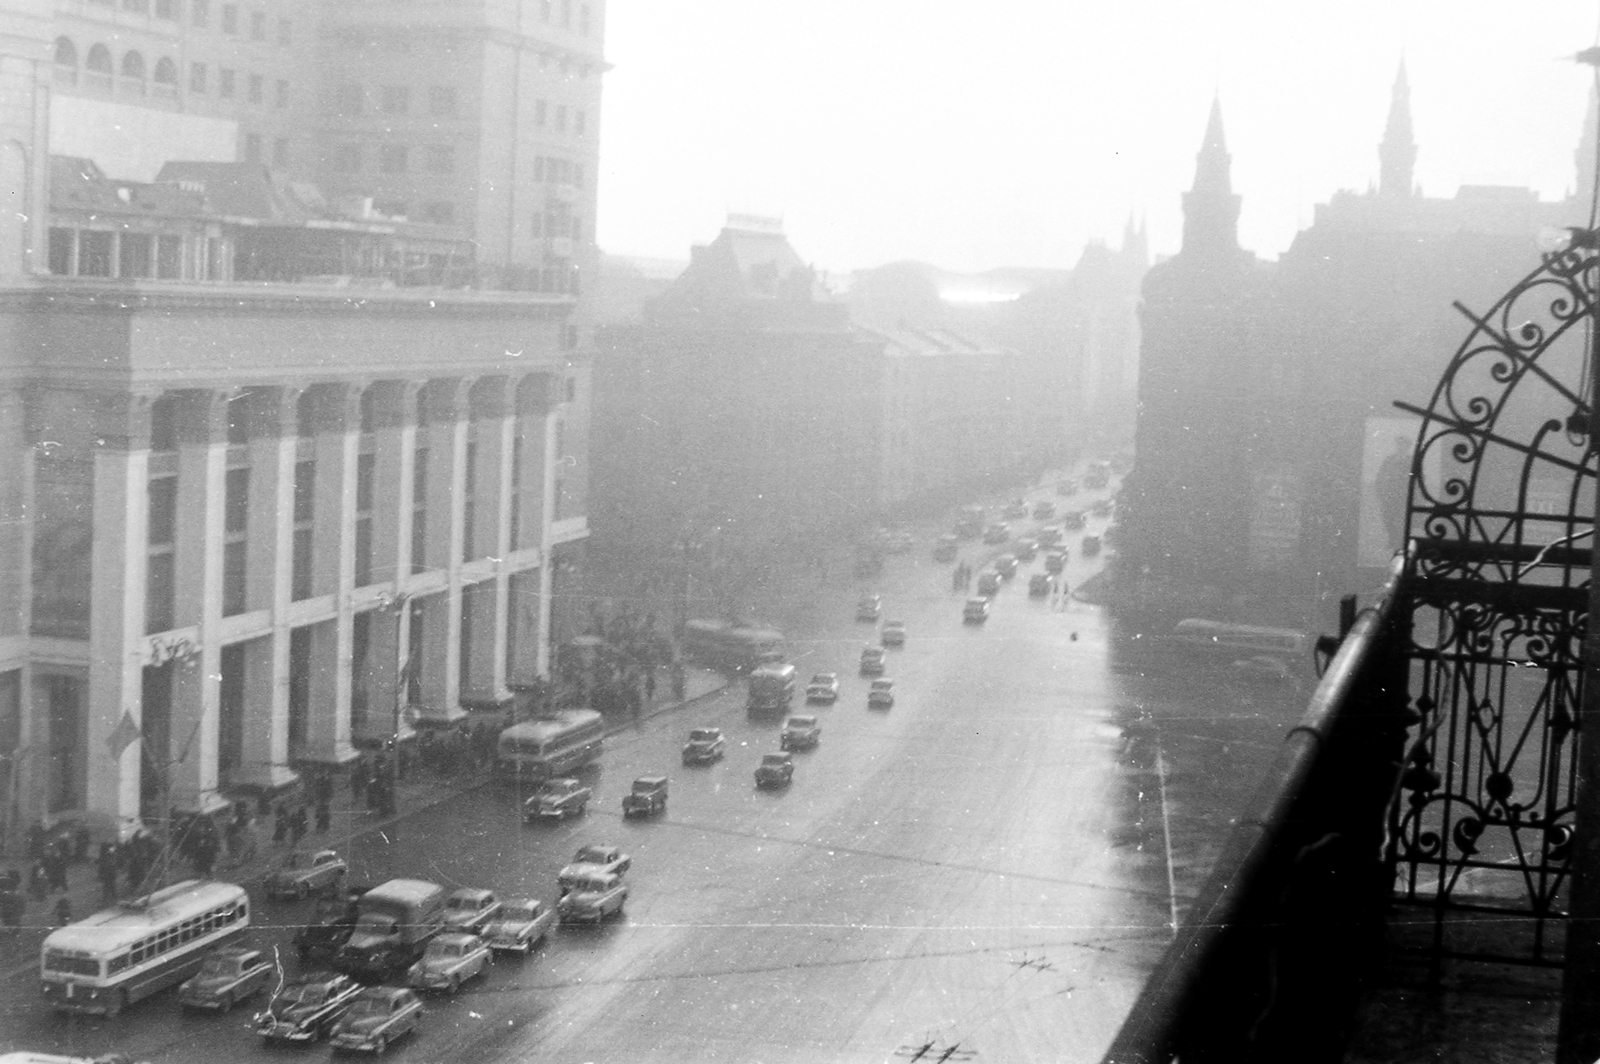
(1008, 132)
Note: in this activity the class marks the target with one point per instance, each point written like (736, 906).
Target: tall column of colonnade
(503, 574)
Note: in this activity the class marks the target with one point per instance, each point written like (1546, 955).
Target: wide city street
(984, 871)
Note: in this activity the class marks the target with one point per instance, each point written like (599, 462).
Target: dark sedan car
(307, 1008)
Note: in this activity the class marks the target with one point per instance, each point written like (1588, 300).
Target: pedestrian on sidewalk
(679, 681)
(649, 684)
(324, 816)
(39, 881)
(297, 826)
(106, 870)
(63, 911)
(13, 905)
(55, 865)
(358, 780)
(280, 825)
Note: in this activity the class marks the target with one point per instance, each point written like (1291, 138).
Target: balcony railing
(1267, 962)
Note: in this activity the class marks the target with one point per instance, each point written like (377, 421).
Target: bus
(550, 746)
(1240, 638)
(771, 689)
(119, 955)
(730, 647)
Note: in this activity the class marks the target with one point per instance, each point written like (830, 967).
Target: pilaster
(337, 444)
(446, 409)
(494, 428)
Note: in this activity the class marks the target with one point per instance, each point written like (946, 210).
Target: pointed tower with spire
(1397, 153)
(1210, 208)
(1587, 146)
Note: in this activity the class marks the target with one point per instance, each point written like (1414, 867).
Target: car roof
(474, 893)
(650, 781)
(802, 719)
(454, 938)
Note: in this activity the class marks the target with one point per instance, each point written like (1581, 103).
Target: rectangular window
(539, 112)
(133, 255)
(258, 25)
(167, 9)
(441, 100)
(305, 506)
(544, 10)
(566, 14)
(561, 117)
(94, 253)
(441, 158)
(583, 20)
(258, 88)
(577, 174)
(225, 82)
(252, 147)
(396, 99)
(169, 258)
(285, 32)
(230, 18)
(366, 472)
(469, 507)
(419, 512)
(200, 12)
(163, 519)
(61, 251)
(197, 77)
(235, 559)
(580, 123)
(392, 158)
(282, 99)
(280, 153)
(439, 212)
(347, 158)
(538, 223)
(538, 167)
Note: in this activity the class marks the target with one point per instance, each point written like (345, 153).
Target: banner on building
(1278, 497)
(1385, 485)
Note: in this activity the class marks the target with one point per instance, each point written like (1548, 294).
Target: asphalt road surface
(985, 871)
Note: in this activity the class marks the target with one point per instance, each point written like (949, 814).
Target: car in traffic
(520, 925)
(1048, 536)
(450, 960)
(989, 583)
(1006, 566)
(871, 661)
(1101, 508)
(998, 532)
(1097, 477)
(318, 939)
(1040, 585)
(705, 745)
(595, 859)
(647, 797)
(881, 694)
(899, 541)
(893, 634)
(870, 608)
(945, 547)
(1025, 549)
(470, 909)
(824, 687)
(800, 733)
(1091, 546)
(306, 872)
(1055, 561)
(1072, 520)
(557, 799)
(1067, 487)
(226, 977)
(306, 1009)
(377, 1017)
(593, 898)
(976, 610)
(1016, 510)
(775, 770)
(1043, 510)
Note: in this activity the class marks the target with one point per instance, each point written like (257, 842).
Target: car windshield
(304, 994)
(437, 948)
(369, 1006)
(220, 966)
(702, 735)
(774, 759)
(641, 787)
(376, 924)
(469, 904)
(594, 854)
(521, 912)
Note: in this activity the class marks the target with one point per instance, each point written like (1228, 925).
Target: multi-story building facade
(281, 477)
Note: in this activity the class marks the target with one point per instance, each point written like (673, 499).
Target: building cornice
(83, 295)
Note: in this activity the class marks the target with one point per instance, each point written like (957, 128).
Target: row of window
(351, 100)
(200, 17)
(165, 73)
(395, 158)
(171, 938)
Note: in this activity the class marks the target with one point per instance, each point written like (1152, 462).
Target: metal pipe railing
(1261, 966)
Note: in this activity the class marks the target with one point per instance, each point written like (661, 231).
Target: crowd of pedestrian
(617, 672)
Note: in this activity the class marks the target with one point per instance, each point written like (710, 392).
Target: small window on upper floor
(252, 147)
(347, 100)
(197, 77)
(165, 73)
(566, 14)
(200, 12)
(539, 110)
(225, 82)
(230, 18)
(258, 88)
(396, 99)
(282, 99)
(583, 20)
(140, 6)
(66, 53)
(561, 117)
(572, 389)
(441, 100)
(393, 158)
(285, 32)
(168, 9)
(133, 66)
(580, 123)
(258, 25)
(544, 10)
(280, 153)
(98, 59)
(441, 158)
(347, 158)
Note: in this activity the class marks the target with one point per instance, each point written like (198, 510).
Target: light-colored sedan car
(521, 924)
(894, 634)
(775, 770)
(800, 733)
(824, 687)
(226, 977)
(378, 1016)
(306, 872)
(470, 909)
(602, 859)
(881, 695)
(592, 899)
(450, 960)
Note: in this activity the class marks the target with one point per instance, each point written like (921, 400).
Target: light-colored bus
(729, 647)
(1240, 638)
(117, 956)
(550, 746)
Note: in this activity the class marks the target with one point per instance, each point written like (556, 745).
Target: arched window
(66, 53)
(166, 77)
(133, 66)
(99, 59)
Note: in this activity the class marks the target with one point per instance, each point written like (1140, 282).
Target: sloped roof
(246, 190)
(77, 184)
(746, 264)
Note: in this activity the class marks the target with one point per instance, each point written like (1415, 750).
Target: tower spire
(1397, 153)
(1210, 208)
(1584, 193)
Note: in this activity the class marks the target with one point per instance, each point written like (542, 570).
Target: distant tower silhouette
(1584, 193)
(1210, 208)
(1397, 154)
(1134, 244)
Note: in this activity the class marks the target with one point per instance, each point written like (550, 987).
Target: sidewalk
(421, 788)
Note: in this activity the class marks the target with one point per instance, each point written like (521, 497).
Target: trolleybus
(550, 746)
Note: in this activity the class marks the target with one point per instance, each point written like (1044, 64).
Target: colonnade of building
(272, 575)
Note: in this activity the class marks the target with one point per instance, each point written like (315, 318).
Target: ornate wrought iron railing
(1266, 964)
